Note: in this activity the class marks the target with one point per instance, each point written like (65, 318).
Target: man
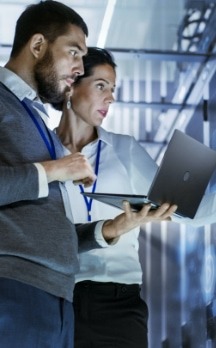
(38, 248)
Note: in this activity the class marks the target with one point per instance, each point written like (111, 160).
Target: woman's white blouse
(124, 167)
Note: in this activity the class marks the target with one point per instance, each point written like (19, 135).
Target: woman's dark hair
(95, 56)
(50, 18)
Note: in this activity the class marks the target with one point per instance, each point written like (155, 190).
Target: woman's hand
(128, 220)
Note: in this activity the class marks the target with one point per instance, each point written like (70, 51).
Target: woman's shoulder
(116, 137)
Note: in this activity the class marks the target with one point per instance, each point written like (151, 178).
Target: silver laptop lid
(184, 174)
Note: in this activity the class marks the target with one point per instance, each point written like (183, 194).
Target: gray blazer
(38, 244)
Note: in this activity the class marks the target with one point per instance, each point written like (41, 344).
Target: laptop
(182, 178)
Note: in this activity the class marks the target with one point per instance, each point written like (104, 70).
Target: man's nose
(79, 69)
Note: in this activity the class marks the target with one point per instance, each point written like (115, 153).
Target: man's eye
(73, 53)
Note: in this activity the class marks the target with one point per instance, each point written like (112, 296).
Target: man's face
(57, 70)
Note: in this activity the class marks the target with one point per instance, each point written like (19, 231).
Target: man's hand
(73, 167)
(129, 219)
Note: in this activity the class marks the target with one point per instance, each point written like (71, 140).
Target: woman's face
(93, 95)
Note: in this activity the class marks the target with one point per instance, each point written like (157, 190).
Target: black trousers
(109, 315)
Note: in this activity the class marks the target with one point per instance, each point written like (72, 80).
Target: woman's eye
(100, 86)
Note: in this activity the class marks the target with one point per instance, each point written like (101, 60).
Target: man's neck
(22, 70)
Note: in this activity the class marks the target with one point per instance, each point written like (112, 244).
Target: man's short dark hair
(50, 18)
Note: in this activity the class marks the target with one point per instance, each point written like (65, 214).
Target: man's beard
(47, 81)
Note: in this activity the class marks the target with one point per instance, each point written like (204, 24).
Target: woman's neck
(74, 133)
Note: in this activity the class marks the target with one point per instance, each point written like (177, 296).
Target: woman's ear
(38, 45)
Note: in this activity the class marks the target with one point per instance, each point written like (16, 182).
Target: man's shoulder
(8, 101)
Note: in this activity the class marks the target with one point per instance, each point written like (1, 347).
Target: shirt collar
(105, 136)
(16, 85)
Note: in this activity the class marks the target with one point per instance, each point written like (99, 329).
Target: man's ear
(38, 45)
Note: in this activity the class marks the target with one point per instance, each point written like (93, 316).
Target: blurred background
(165, 51)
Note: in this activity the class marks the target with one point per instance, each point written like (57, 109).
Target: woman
(108, 309)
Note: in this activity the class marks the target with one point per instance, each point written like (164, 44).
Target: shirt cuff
(100, 238)
(98, 234)
(42, 181)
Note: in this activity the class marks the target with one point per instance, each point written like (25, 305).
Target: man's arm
(18, 183)
(21, 182)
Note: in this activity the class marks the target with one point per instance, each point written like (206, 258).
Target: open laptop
(181, 179)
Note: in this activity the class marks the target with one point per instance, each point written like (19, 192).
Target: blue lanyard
(88, 201)
(48, 141)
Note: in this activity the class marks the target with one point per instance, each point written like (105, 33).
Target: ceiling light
(106, 23)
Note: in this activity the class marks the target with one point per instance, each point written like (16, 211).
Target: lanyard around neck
(88, 201)
(46, 137)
